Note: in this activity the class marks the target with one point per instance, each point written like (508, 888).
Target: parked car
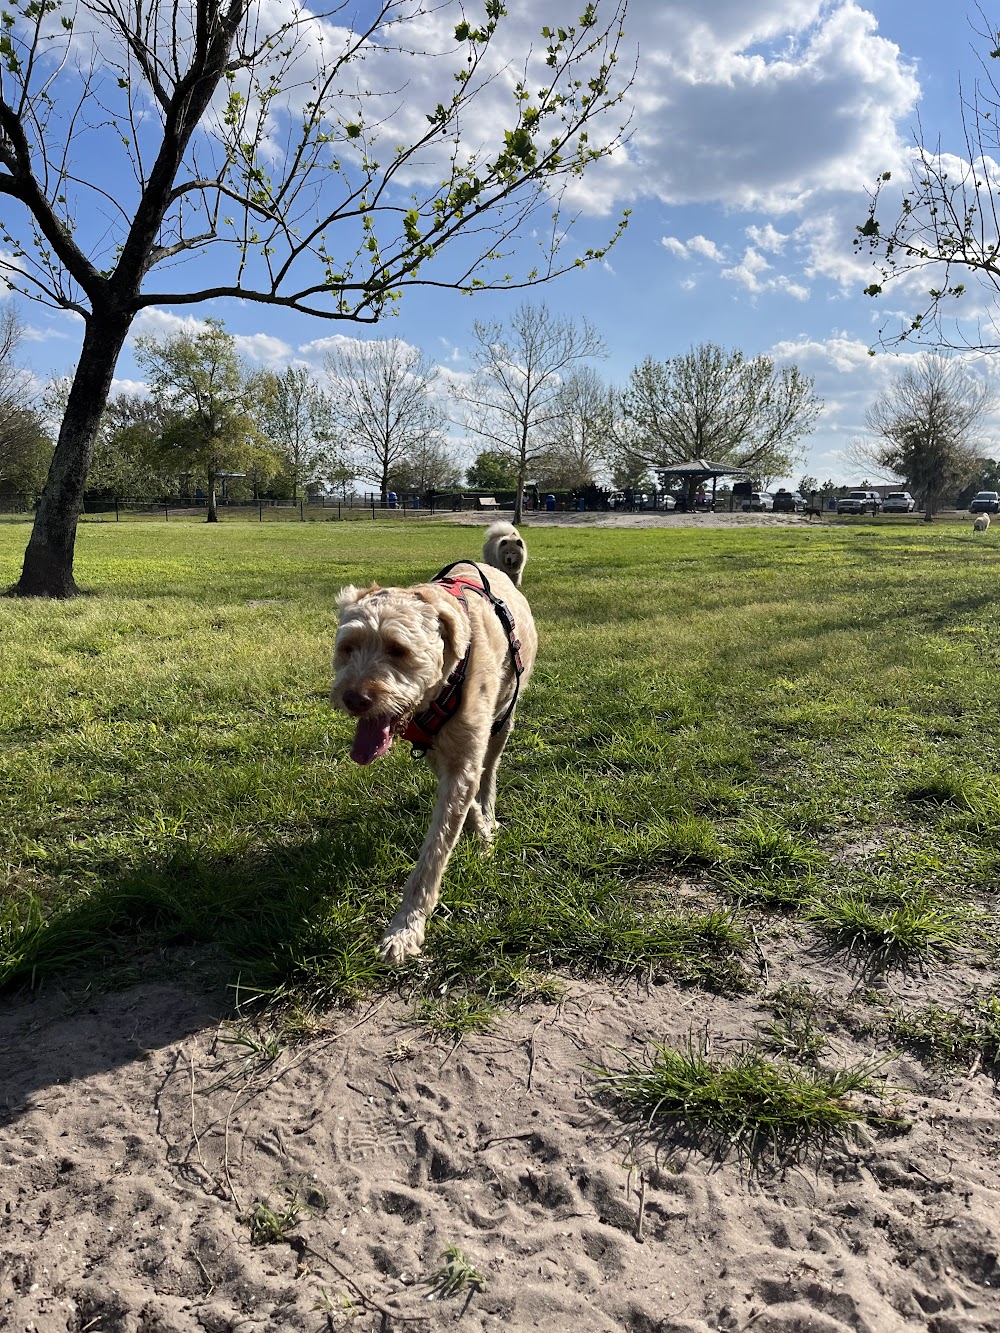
(899, 502)
(860, 502)
(759, 501)
(986, 502)
(788, 502)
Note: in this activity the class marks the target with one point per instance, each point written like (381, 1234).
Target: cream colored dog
(504, 549)
(981, 523)
(397, 656)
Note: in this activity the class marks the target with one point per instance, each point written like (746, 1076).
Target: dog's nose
(357, 702)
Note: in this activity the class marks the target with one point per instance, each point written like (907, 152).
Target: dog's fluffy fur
(980, 523)
(395, 649)
(504, 549)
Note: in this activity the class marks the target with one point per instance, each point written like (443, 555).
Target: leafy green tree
(513, 399)
(25, 446)
(430, 466)
(128, 452)
(257, 142)
(720, 406)
(299, 422)
(986, 478)
(211, 404)
(492, 470)
(808, 486)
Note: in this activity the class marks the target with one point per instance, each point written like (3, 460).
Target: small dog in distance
(981, 523)
(504, 549)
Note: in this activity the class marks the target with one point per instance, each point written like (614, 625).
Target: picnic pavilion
(697, 471)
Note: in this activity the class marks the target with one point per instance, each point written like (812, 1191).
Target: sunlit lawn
(729, 708)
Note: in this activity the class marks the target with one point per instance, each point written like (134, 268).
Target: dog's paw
(403, 939)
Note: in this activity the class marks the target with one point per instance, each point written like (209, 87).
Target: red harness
(421, 730)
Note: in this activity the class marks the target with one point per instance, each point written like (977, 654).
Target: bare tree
(945, 228)
(720, 406)
(926, 427)
(299, 421)
(431, 466)
(513, 400)
(579, 439)
(381, 404)
(254, 141)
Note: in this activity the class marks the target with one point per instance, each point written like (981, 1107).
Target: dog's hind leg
(405, 933)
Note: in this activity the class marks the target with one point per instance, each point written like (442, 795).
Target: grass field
(723, 726)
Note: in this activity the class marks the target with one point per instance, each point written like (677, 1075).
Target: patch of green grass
(455, 1016)
(172, 775)
(747, 1104)
(949, 1037)
(887, 936)
(795, 1032)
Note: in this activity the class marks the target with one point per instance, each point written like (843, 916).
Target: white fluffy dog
(440, 664)
(981, 523)
(504, 549)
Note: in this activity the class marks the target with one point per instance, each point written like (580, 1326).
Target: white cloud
(138, 387)
(767, 238)
(696, 245)
(758, 106)
(263, 348)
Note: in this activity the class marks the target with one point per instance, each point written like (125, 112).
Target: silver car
(899, 502)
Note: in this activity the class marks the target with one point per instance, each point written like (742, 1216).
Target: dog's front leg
(405, 934)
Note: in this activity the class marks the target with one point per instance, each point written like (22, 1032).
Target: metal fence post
(260, 508)
(302, 510)
(116, 509)
(166, 514)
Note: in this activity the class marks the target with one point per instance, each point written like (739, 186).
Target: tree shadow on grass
(295, 928)
(157, 951)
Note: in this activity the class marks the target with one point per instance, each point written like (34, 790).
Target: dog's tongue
(372, 738)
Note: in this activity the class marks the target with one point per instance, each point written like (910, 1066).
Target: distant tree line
(376, 415)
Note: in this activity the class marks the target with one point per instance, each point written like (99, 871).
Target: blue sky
(756, 128)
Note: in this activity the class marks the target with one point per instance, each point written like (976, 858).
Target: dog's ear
(453, 624)
(349, 595)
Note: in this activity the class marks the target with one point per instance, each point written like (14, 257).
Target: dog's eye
(345, 649)
(397, 650)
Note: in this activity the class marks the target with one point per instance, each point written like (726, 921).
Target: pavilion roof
(702, 467)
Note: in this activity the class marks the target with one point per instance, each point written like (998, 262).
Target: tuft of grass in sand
(747, 1104)
(968, 1036)
(455, 1274)
(892, 935)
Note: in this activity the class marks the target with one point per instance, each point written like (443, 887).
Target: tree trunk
(213, 512)
(519, 503)
(48, 560)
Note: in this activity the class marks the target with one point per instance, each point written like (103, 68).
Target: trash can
(581, 503)
(550, 503)
(416, 502)
(392, 499)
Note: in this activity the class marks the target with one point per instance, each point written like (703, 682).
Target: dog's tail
(500, 529)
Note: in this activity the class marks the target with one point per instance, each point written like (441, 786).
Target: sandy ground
(137, 1138)
(640, 519)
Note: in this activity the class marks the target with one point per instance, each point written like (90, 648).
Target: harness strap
(421, 730)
